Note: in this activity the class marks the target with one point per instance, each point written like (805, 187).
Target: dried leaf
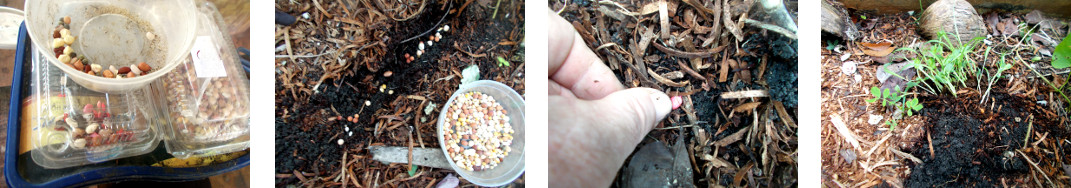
(878, 49)
(651, 7)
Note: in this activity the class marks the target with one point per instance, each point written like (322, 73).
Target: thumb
(641, 108)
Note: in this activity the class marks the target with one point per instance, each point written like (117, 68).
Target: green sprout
(502, 61)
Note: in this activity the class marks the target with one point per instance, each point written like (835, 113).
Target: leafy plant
(831, 44)
(1001, 67)
(897, 98)
(502, 61)
(944, 72)
(1062, 57)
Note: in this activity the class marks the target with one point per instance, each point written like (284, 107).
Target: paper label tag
(206, 59)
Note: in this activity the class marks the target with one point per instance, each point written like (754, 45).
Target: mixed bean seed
(93, 128)
(62, 39)
(477, 132)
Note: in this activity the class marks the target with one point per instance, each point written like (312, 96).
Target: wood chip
(732, 138)
(842, 128)
(663, 15)
(678, 53)
(744, 94)
(666, 81)
(747, 106)
(728, 22)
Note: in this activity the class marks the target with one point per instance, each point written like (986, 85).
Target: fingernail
(663, 104)
(676, 100)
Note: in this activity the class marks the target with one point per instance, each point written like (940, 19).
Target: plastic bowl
(114, 33)
(10, 19)
(513, 165)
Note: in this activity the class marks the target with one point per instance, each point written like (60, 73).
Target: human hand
(595, 122)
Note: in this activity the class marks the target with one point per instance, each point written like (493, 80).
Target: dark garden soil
(732, 141)
(1017, 137)
(346, 51)
(980, 140)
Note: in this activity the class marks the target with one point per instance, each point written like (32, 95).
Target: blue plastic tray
(109, 171)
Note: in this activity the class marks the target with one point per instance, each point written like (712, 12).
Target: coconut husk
(957, 18)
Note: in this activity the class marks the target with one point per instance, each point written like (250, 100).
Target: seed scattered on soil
(477, 132)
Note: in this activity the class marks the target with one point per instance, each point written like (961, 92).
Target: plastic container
(21, 173)
(513, 165)
(115, 33)
(207, 95)
(10, 19)
(75, 126)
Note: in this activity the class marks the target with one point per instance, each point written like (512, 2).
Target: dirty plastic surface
(513, 165)
(115, 33)
(10, 19)
(207, 96)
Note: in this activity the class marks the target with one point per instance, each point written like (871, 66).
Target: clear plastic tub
(207, 95)
(513, 165)
(74, 126)
(115, 33)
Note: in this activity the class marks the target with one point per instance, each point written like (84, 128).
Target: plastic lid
(10, 19)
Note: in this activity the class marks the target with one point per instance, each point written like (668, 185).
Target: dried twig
(689, 55)
(771, 27)
(1035, 165)
(745, 94)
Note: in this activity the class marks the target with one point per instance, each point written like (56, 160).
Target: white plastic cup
(513, 165)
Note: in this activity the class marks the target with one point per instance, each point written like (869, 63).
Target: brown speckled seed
(78, 64)
(130, 75)
(108, 74)
(144, 67)
(124, 70)
(67, 20)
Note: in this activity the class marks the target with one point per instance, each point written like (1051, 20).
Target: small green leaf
(502, 61)
(918, 107)
(872, 100)
(875, 91)
(1061, 58)
(885, 93)
(412, 170)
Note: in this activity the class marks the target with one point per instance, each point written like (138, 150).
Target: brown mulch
(694, 53)
(884, 155)
(332, 66)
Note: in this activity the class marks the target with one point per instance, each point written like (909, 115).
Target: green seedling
(1062, 57)
(895, 97)
(831, 45)
(941, 71)
(502, 61)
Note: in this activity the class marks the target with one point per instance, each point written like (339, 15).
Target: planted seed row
(477, 132)
(431, 41)
(61, 46)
